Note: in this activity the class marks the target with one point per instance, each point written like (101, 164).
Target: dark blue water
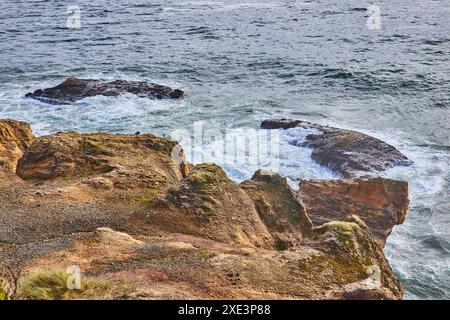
(243, 61)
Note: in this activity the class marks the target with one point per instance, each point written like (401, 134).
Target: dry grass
(52, 285)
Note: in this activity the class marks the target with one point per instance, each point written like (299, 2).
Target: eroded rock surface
(380, 203)
(15, 138)
(125, 212)
(278, 208)
(77, 182)
(208, 204)
(350, 153)
(68, 154)
(74, 89)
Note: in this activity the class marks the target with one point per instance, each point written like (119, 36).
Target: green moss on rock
(206, 176)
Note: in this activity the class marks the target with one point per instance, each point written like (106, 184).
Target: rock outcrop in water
(350, 153)
(122, 210)
(74, 89)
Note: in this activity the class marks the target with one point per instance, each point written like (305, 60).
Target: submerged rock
(350, 153)
(15, 138)
(380, 203)
(74, 89)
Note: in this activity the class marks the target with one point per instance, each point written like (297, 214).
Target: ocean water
(241, 62)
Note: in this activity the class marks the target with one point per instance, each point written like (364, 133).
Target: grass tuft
(52, 285)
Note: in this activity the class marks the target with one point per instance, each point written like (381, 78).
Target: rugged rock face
(15, 138)
(125, 212)
(380, 203)
(69, 154)
(208, 204)
(76, 183)
(350, 153)
(352, 241)
(343, 263)
(75, 89)
(278, 208)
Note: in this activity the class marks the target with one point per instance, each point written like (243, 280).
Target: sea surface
(241, 62)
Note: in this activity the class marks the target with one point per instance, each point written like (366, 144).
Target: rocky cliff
(141, 226)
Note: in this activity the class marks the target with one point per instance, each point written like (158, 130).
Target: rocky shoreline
(122, 210)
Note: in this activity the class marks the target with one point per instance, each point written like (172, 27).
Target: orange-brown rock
(76, 183)
(381, 203)
(343, 262)
(263, 211)
(208, 204)
(125, 157)
(351, 240)
(278, 207)
(15, 138)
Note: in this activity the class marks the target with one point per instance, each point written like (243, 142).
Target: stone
(380, 203)
(279, 208)
(115, 157)
(207, 203)
(15, 139)
(349, 153)
(124, 210)
(74, 89)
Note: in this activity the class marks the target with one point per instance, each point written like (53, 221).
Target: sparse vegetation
(146, 199)
(205, 254)
(52, 285)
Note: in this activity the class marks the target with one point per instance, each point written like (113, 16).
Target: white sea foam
(295, 162)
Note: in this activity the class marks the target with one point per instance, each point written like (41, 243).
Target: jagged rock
(278, 207)
(76, 183)
(324, 268)
(74, 89)
(207, 203)
(121, 158)
(263, 211)
(381, 203)
(15, 138)
(352, 241)
(350, 153)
